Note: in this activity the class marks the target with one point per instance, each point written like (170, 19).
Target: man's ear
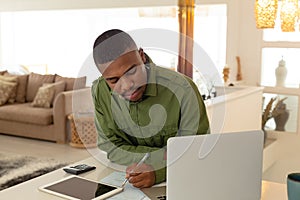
(142, 54)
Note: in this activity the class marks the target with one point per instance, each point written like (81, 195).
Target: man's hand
(142, 176)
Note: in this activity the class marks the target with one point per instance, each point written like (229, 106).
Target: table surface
(29, 189)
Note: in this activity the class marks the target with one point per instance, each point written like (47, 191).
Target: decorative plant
(272, 111)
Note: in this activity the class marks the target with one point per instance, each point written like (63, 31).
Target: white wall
(249, 45)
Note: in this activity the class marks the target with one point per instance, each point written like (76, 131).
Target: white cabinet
(235, 109)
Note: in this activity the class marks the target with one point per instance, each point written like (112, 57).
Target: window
(270, 60)
(279, 45)
(210, 33)
(62, 39)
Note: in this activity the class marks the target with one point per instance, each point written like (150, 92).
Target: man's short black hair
(110, 45)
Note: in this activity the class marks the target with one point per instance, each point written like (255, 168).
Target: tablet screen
(80, 188)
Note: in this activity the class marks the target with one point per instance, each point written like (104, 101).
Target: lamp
(265, 13)
(288, 15)
(299, 18)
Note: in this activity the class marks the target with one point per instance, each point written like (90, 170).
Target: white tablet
(78, 188)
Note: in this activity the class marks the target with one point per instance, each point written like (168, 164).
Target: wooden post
(186, 34)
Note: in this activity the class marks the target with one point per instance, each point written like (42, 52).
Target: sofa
(36, 106)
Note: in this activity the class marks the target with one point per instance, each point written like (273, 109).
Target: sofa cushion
(3, 72)
(35, 81)
(71, 83)
(58, 87)
(13, 93)
(44, 96)
(8, 78)
(25, 113)
(21, 87)
(6, 89)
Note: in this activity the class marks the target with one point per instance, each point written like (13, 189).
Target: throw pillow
(35, 81)
(71, 83)
(8, 79)
(44, 96)
(58, 87)
(21, 87)
(3, 72)
(6, 88)
(13, 94)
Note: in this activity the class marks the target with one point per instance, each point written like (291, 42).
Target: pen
(139, 163)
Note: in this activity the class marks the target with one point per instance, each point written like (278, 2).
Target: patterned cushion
(21, 87)
(58, 87)
(44, 96)
(6, 89)
(3, 72)
(8, 78)
(71, 83)
(34, 82)
(13, 94)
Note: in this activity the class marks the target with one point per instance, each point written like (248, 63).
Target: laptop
(225, 166)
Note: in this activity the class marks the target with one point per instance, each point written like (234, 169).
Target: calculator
(78, 169)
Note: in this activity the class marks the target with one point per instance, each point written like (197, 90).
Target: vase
(281, 72)
(281, 120)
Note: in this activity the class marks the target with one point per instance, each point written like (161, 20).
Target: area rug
(15, 169)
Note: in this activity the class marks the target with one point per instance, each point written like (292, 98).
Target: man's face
(127, 75)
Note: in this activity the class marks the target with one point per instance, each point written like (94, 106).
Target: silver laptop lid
(225, 166)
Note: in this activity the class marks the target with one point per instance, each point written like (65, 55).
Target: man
(139, 105)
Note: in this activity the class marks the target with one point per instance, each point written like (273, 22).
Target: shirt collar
(151, 89)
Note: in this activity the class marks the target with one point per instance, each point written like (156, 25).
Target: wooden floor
(38, 148)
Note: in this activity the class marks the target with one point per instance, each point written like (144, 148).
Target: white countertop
(29, 189)
(230, 93)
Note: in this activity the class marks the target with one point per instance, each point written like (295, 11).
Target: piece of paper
(129, 192)
(115, 178)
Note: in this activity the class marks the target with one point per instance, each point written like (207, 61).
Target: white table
(28, 190)
(273, 191)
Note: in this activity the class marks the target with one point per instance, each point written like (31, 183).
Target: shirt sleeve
(194, 118)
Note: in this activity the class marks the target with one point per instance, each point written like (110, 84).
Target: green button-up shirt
(171, 106)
